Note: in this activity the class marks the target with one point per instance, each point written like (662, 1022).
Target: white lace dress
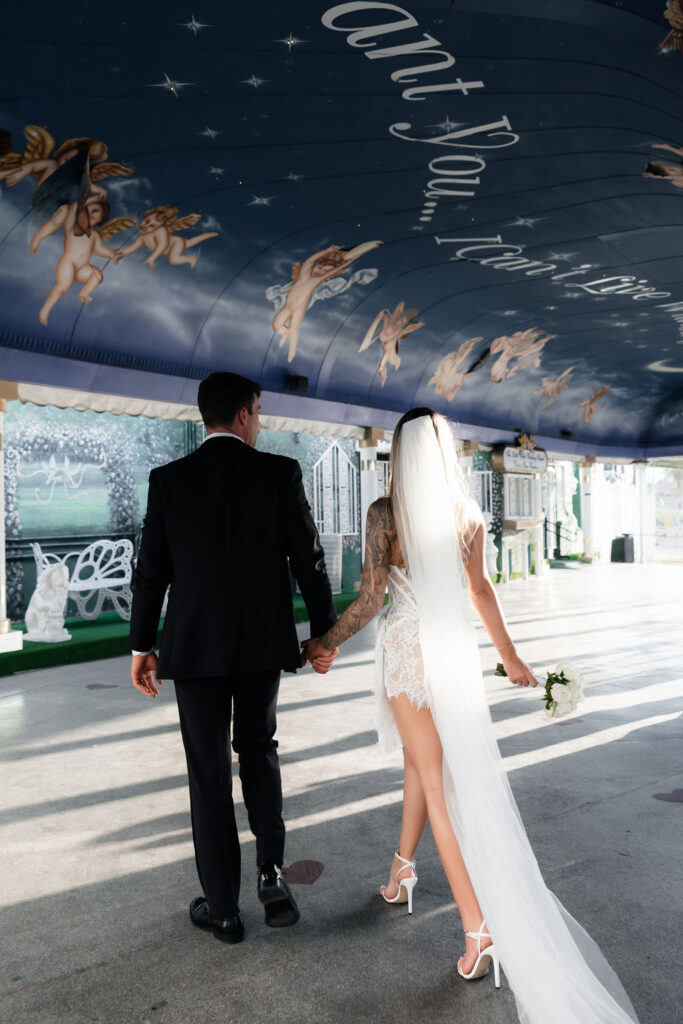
(398, 656)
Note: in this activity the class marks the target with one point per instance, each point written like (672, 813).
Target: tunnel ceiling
(476, 206)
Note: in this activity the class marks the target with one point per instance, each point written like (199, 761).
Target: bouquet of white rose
(563, 690)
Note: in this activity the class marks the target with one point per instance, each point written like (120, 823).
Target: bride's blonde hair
(465, 511)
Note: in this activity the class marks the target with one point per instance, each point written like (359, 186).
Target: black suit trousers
(206, 707)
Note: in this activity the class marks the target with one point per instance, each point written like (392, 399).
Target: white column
(536, 536)
(10, 639)
(368, 475)
(539, 559)
(646, 516)
(587, 477)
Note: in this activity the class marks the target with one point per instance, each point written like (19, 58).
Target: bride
(426, 541)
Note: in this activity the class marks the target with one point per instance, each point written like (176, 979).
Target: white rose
(560, 693)
(571, 671)
(575, 690)
(560, 710)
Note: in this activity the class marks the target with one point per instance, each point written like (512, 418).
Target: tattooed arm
(372, 585)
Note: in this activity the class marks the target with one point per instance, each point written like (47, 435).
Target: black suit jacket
(223, 526)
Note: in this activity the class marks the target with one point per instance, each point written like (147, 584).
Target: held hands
(517, 671)
(320, 658)
(143, 671)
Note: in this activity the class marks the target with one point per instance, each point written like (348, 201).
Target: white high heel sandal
(405, 885)
(484, 958)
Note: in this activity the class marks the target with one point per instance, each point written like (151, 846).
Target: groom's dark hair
(222, 395)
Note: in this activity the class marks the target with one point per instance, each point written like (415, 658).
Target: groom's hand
(143, 671)
(320, 658)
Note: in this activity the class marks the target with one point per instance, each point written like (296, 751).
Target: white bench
(102, 570)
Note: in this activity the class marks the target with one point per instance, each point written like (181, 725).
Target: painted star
(293, 177)
(508, 312)
(561, 256)
(260, 200)
(551, 308)
(447, 125)
(210, 133)
(290, 41)
(524, 222)
(170, 85)
(417, 227)
(254, 81)
(462, 206)
(217, 172)
(193, 25)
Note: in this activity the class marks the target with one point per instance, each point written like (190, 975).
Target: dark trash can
(622, 548)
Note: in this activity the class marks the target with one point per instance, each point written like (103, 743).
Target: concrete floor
(98, 866)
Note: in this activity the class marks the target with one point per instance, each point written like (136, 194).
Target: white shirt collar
(223, 433)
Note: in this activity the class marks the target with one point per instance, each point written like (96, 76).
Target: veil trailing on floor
(554, 968)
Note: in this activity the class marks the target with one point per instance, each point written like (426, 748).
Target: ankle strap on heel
(406, 864)
(481, 934)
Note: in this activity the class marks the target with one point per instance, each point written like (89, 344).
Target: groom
(223, 527)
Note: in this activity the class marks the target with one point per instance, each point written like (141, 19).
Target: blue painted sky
(496, 150)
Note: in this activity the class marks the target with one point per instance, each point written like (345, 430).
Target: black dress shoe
(230, 929)
(276, 897)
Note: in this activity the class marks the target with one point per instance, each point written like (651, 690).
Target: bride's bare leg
(423, 746)
(412, 823)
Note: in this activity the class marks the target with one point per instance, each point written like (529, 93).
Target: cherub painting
(524, 346)
(64, 174)
(156, 233)
(395, 326)
(552, 386)
(306, 277)
(663, 168)
(449, 378)
(39, 159)
(591, 404)
(674, 15)
(81, 243)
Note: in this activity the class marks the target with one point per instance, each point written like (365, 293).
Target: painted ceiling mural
(475, 205)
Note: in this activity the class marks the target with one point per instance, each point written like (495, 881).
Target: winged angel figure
(523, 348)
(449, 377)
(81, 243)
(553, 386)
(395, 326)
(591, 404)
(674, 15)
(156, 232)
(310, 280)
(67, 174)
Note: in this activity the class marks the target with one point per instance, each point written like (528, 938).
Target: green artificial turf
(106, 637)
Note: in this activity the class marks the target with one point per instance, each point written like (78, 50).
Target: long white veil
(554, 968)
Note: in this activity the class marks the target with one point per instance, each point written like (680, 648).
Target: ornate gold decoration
(527, 442)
